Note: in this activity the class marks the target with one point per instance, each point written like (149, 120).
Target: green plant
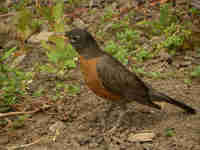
(3, 9)
(54, 15)
(196, 72)
(117, 51)
(109, 13)
(169, 132)
(175, 36)
(128, 38)
(26, 24)
(11, 81)
(139, 71)
(143, 54)
(124, 46)
(121, 24)
(165, 15)
(74, 3)
(70, 89)
(127, 35)
(19, 122)
(61, 55)
(165, 20)
(198, 51)
(73, 89)
(38, 93)
(187, 81)
(194, 11)
(21, 4)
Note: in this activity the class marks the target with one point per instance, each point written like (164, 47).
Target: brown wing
(88, 67)
(117, 79)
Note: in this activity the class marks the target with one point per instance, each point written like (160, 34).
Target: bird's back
(116, 78)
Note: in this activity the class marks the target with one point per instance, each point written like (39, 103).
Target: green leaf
(8, 53)
(187, 81)
(73, 89)
(59, 27)
(70, 63)
(196, 72)
(58, 10)
(46, 13)
(24, 19)
(164, 15)
(169, 132)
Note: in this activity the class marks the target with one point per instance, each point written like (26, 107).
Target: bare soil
(81, 122)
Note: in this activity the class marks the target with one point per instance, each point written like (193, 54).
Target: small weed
(3, 9)
(11, 81)
(11, 84)
(3, 122)
(196, 72)
(73, 89)
(119, 25)
(155, 74)
(198, 51)
(60, 85)
(117, 51)
(166, 19)
(126, 44)
(143, 54)
(38, 93)
(173, 41)
(26, 24)
(128, 37)
(20, 121)
(61, 55)
(139, 71)
(108, 14)
(54, 15)
(175, 36)
(188, 81)
(194, 11)
(74, 3)
(169, 132)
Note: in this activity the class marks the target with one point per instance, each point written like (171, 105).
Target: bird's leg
(122, 114)
(107, 112)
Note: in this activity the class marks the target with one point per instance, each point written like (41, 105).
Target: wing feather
(118, 79)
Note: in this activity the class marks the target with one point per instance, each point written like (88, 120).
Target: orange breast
(88, 68)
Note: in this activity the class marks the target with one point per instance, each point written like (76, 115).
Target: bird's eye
(75, 38)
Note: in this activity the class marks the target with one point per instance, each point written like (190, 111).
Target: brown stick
(17, 113)
(8, 14)
(24, 145)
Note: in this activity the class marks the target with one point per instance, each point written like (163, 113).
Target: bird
(110, 79)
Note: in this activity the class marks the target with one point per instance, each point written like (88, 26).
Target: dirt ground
(81, 122)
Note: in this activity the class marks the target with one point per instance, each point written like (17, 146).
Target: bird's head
(80, 39)
(83, 42)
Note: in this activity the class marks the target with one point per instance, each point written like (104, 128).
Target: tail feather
(157, 96)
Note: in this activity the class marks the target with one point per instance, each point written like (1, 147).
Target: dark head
(83, 42)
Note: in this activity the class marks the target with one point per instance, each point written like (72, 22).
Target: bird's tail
(157, 96)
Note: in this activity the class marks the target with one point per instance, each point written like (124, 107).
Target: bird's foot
(118, 123)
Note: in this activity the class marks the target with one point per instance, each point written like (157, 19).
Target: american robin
(109, 79)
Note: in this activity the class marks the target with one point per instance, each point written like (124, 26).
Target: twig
(18, 113)
(24, 145)
(8, 14)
